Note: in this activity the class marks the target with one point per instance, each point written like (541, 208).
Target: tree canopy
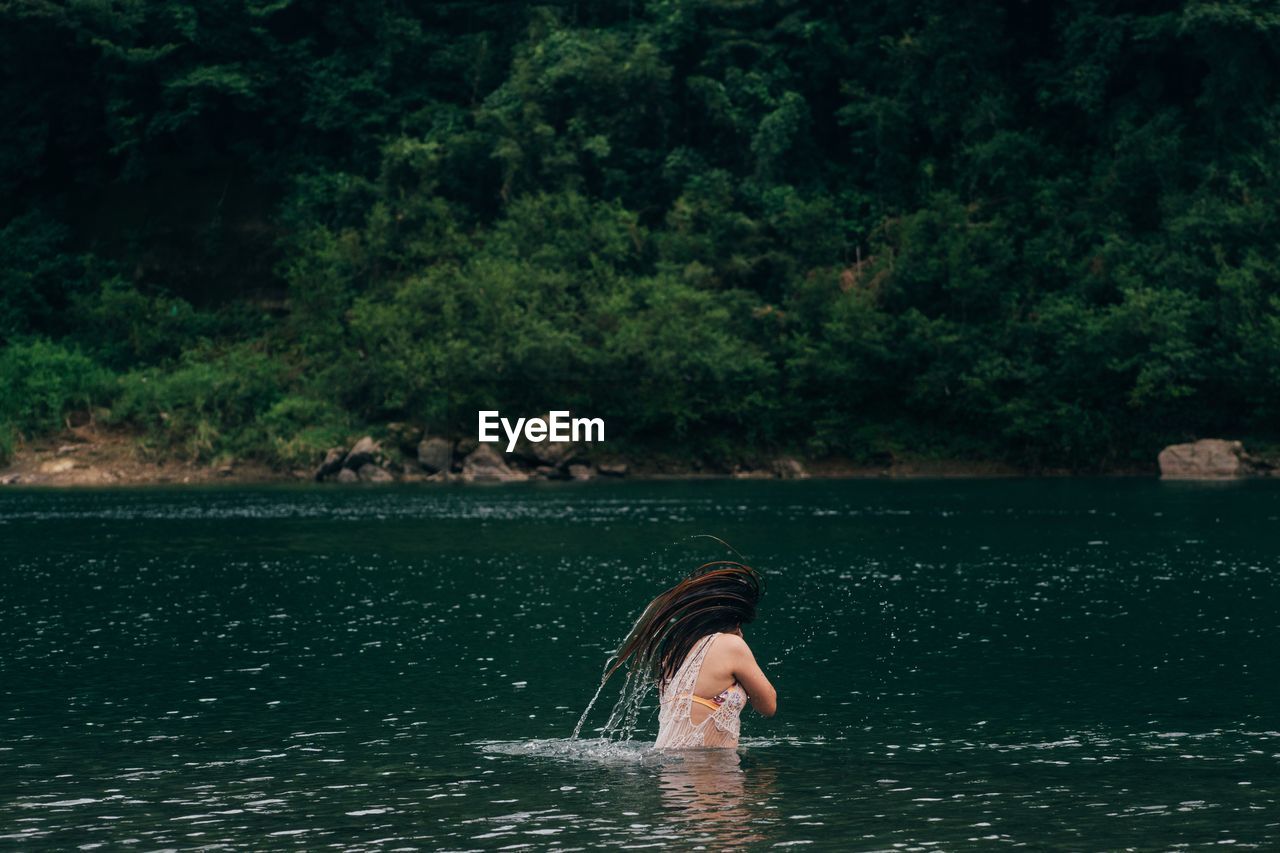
(1038, 232)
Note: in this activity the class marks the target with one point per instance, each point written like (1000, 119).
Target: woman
(690, 640)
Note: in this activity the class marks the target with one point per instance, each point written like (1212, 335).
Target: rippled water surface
(1053, 664)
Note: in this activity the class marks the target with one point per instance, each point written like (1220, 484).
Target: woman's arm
(761, 693)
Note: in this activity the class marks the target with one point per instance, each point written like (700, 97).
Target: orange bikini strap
(705, 702)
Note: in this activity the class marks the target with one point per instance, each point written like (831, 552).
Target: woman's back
(701, 703)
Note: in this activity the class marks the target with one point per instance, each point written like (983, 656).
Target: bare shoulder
(733, 644)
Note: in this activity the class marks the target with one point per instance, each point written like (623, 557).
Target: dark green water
(1056, 664)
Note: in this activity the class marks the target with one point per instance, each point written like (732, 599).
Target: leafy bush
(678, 361)
(297, 431)
(38, 276)
(207, 404)
(126, 327)
(41, 382)
(8, 443)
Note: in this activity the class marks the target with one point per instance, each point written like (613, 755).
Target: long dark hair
(716, 596)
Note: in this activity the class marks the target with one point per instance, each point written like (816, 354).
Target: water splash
(604, 678)
(625, 713)
(624, 716)
(600, 751)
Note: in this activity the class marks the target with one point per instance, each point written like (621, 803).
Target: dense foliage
(1040, 232)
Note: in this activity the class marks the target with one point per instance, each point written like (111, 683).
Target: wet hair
(717, 596)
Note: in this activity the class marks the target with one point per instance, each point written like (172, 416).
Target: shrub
(203, 406)
(296, 431)
(8, 441)
(41, 381)
(125, 327)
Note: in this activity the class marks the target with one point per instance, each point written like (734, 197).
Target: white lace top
(676, 730)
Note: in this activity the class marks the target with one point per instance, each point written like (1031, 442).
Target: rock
(57, 466)
(406, 436)
(881, 459)
(346, 475)
(370, 473)
(10, 479)
(581, 472)
(68, 448)
(612, 469)
(464, 448)
(225, 471)
(546, 452)
(332, 462)
(1206, 459)
(740, 473)
(485, 465)
(549, 472)
(789, 468)
(367, 451)
(557, 453)
(435, 454)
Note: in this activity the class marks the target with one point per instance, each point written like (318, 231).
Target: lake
(1061, 664)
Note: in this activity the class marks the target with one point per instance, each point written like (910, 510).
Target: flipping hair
(717, 596)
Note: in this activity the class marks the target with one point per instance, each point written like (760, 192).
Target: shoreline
(87, 457)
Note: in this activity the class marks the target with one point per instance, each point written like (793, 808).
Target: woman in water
(689, 639)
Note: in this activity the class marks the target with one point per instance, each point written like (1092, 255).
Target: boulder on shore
(406, 436)
(486, 465)
(370, 473)
(435, 454)
(789, 468)
(547, 452)
(581, 472)
(612, 469)
(1206, 459)
(367, 451)
(346, 475)
(332, 463)
(465, 447)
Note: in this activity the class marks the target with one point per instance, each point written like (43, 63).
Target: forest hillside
(1043, 234)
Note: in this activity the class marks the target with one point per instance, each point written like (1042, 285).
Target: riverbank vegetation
(1036, 233)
